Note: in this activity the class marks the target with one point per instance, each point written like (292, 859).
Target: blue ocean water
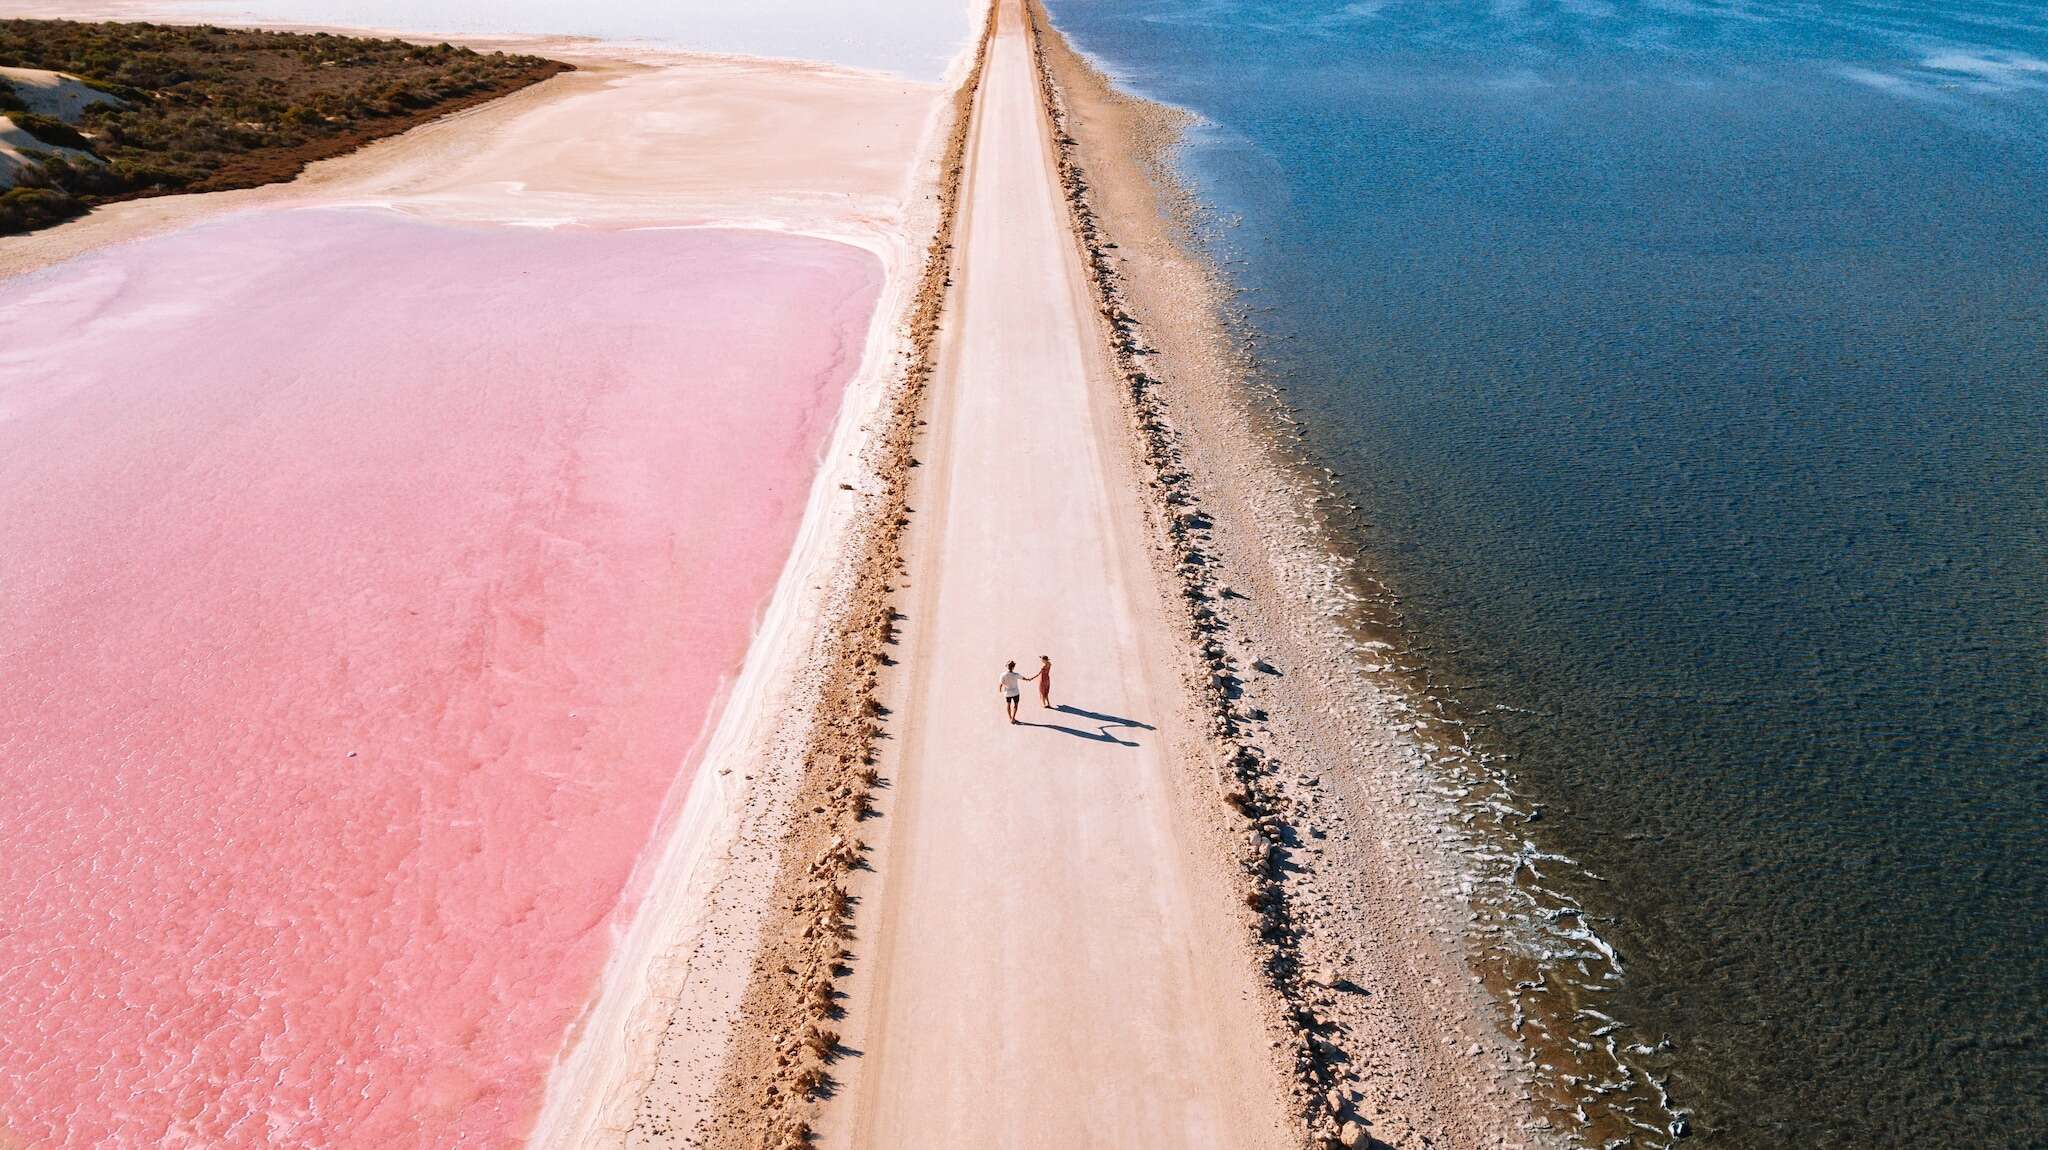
(1689, 365)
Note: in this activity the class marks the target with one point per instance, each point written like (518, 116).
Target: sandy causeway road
(1044, 965)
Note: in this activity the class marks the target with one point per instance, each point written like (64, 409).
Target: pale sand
(915, 39)
(50, 93)
(45, 93)
(646, 138)
(634, 137)
(16, 144)
(1048, 954)
(1367, 890)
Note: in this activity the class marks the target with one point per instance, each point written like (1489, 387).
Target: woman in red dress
(1044, 677)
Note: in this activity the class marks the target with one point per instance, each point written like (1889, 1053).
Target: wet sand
(1366, 928)
(686, 140)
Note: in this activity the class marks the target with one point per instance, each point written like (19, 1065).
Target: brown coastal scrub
(780, 1065)
(207, 109)
(1372, 1009)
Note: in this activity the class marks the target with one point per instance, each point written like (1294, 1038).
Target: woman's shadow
(1101, 733)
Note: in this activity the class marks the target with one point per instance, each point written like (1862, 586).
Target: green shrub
(209, 108)
(26, 209)
(81, 178)
(51, 130)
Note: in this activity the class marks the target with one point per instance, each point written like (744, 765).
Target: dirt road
(1043, 963)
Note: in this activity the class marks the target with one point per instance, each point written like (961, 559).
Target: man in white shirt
(1012, 687)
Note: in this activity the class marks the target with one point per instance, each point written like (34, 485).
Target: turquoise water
(1687, 361)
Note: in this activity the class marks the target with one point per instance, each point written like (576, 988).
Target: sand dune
(48, 93)
(45, 93)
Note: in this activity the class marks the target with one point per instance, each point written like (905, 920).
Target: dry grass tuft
(833, 794)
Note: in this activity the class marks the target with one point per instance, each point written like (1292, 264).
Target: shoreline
(404, 169)
(711, 1036)
(614, 47)
(1516, 934)
(1268, 608)
(209, 167)
(674, 971)
(678, 960)
(782, 1038)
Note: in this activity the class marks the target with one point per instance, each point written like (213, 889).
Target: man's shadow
(1100, 734)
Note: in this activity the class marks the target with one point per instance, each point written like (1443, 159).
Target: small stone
(1327, 976)
(1350, 1134)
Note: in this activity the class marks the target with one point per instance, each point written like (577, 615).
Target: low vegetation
(204, 109)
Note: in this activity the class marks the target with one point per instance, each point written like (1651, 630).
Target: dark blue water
(1689, 363)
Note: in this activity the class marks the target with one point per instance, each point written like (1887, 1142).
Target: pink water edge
(365, 585)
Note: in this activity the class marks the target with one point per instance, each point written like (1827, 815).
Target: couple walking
(1012, 685)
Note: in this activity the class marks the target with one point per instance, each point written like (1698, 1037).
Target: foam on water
(365, 587)
(1682, 364)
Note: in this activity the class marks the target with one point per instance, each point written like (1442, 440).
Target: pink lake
(365, 587)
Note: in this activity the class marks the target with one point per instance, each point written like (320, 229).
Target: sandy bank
(635, 137)
(918, 39)
(683, 1008)
(1362, 921)
(640, 138)
(767, 1093)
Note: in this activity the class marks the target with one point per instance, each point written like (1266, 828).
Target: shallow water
(367, 587)
(1686, 362)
